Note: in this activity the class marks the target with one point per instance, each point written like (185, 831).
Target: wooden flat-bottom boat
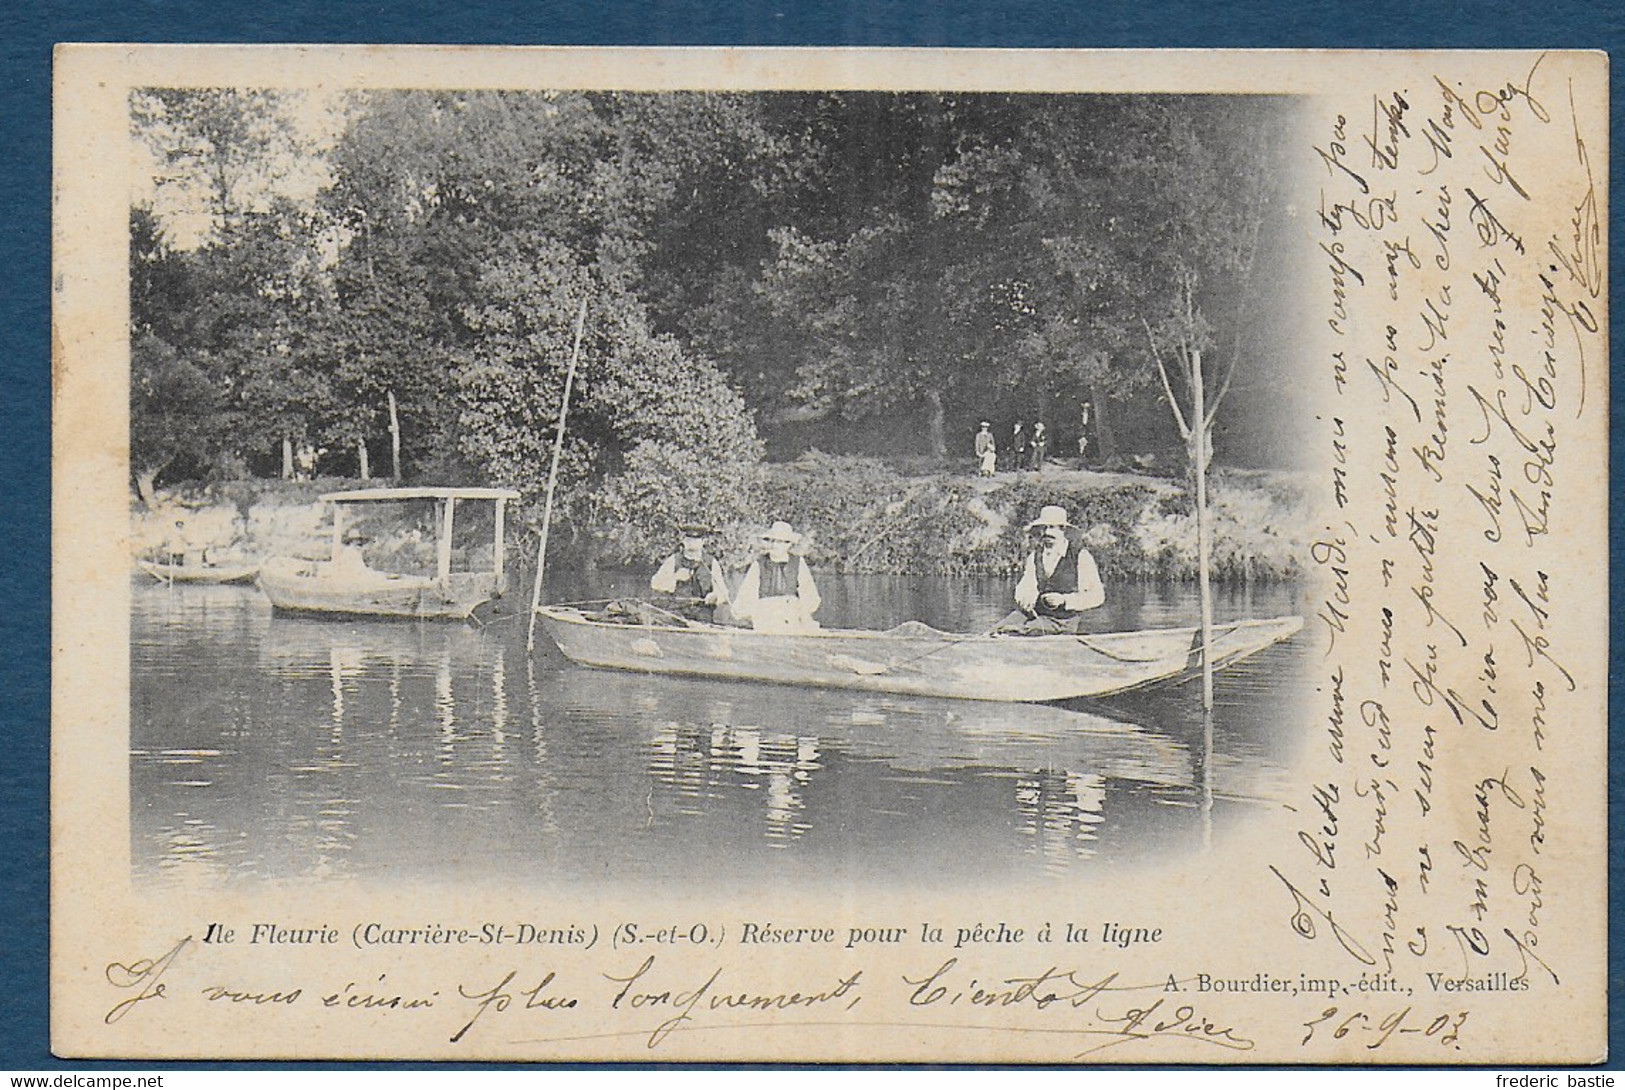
(346, 587)
(199, 573)
(321, 588)
(914, 658)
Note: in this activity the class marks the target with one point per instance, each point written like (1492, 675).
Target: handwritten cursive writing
(144, 977)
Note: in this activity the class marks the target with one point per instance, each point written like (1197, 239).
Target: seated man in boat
(778, 594)
(692, 578)
(349, 563)
(1059, 580)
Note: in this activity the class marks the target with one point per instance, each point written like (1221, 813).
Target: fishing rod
(552, 481)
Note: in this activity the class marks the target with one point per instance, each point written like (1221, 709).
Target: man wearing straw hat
(692, 577)
(778, 594)
(1059, 580)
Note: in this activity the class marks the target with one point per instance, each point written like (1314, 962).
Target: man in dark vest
(1059, 580)
(778, 593)
(692, 577)
(1039, 446)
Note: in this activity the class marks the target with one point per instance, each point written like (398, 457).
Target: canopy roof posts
(448, 511)
(338, 531)
(497, 573)
(446, 502)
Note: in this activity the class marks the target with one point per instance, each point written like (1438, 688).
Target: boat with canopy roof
(345, 586)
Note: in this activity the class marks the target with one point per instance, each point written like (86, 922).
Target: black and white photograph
(738, 555)
(879, 404)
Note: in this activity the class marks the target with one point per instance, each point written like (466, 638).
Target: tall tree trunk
(361, 455)
(287, 458)
(1104, 441)
(146, 482)
(937, 427)
(394, 439)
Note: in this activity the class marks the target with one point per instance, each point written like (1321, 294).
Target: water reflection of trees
(350, 749)
(1054, 765)
(699, 762)
(343, 744)
(1062, 812)
(384, 734)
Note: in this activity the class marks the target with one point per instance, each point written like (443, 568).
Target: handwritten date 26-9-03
(1375, 1028)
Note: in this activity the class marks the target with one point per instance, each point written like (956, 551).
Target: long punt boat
(914, 658)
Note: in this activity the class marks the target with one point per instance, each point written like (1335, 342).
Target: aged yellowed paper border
(1435, 894)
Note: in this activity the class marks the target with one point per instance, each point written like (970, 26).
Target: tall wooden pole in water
(1204, 557)
(552, 481)
(1204, 536)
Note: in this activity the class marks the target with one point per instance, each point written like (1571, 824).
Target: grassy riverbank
(861, 515)
(858, 515)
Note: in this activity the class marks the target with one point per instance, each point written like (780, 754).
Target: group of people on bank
(1059, 582)
(1027, 450)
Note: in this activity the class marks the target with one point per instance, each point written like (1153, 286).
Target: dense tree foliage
(744, 258)
(476, 224)
(1005, 254)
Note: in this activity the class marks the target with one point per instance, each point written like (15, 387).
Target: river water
(274, 748)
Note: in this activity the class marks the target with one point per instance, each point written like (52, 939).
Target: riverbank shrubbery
(1109, 516)
(856, 515)
(863, 515)
(860, 515)
(257, 518)
(1259, 530)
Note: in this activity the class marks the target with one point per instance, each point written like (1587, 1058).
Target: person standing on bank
(987, 452)
(1059, 580)
(1018, 448)
(1040, 446)
(693, 577)
(778, 594)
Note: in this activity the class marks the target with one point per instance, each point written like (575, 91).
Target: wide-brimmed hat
(1050, 515)
(695, 529)
(782, 531)
(985, 424)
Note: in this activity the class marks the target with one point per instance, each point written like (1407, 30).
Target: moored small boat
(914, 658)
(345, 586)
(199, 573)
(323, 588)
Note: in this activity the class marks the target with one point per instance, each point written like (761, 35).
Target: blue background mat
(27, 35)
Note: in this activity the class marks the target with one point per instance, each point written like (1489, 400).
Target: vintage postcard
(829, 555)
